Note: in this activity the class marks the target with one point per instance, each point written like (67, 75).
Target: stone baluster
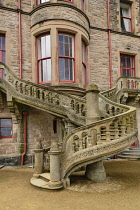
(80, 144)
(98, 135)
(108, 133)
(128, 126)
(116, 130)
(123, 127)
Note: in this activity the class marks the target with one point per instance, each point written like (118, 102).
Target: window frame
(132, 69)
(1, 51)
(72, 58)
(45, 58)
(1, 137)
(84, 63)
(123, 17)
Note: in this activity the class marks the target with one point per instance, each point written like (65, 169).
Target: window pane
(3, 43)
(44, 48)
(45, 70)
(6, 122)
(62, 72)
(66, 47)
(42, 1)
(66, 69)
(125, 10)
(6, 132)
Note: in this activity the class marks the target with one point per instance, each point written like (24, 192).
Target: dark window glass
(127, 65)
(66, 57)
(5, 128)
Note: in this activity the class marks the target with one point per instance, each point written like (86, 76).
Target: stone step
(130, 154)
(38, 182)
(134, 148)
(128, 157)
(45, 176)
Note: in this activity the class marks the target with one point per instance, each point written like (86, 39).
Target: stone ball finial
(92, 88)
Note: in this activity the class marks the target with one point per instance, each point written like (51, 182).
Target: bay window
(84, 63)
(5, 128)
(66, 57)
(44, 58)
(126, 20)
(127, 65)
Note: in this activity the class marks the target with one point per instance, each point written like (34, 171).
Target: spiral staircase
(113, 130)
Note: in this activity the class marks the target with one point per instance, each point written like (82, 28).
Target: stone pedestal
(55, 179)
(39, 159)
(39, 163)
(96, 172)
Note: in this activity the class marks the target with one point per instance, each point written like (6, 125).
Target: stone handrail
(45, 98)
(96, 141)
(110, 94)
(55, 102)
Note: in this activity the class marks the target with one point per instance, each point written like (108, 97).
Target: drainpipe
(20, 38)
(109, 42)
(25, 137)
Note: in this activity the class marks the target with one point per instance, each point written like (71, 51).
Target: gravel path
(120, 191)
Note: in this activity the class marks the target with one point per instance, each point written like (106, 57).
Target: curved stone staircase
(114, 131)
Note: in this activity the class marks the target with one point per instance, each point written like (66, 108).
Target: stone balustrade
(87, 143)
(110, 94)
(46, 97)
(128, 83)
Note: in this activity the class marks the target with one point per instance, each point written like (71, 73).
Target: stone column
(94, 171)
(39, 161)
(92, 102)
(55, 178)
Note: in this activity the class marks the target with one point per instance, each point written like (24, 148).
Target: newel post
(92, 103)
(94, 171)
(55, 178)
(39, 162)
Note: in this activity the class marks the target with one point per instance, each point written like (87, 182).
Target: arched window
(44, 58)
(66, 57)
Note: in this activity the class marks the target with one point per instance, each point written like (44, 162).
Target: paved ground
(121, 190)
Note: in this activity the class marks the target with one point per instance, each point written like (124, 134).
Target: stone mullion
(54, 56)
